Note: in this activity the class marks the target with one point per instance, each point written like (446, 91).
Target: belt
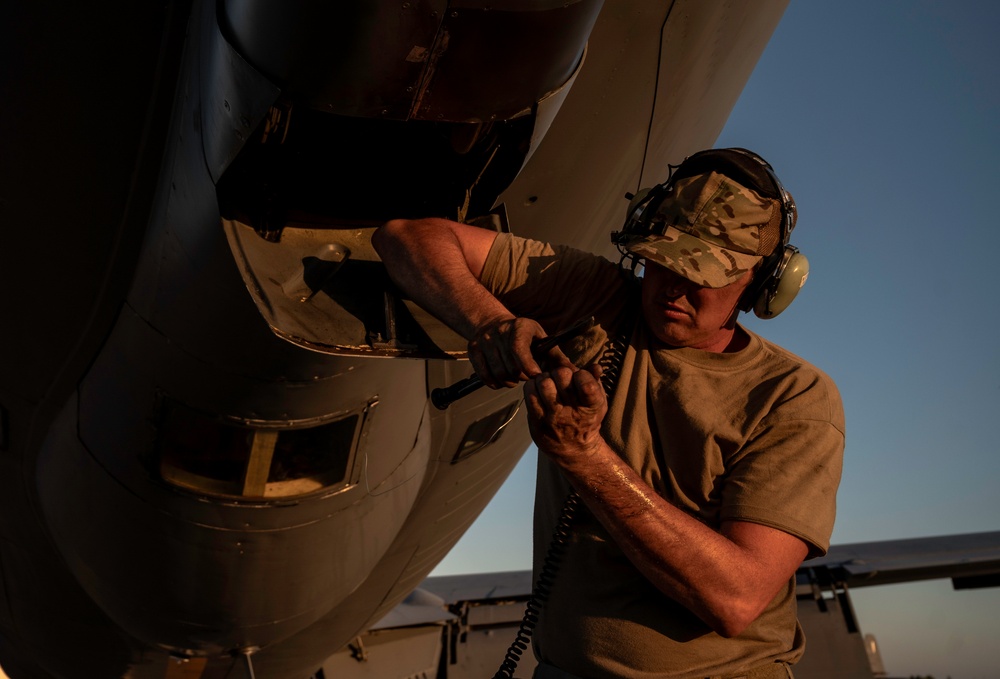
(777, 670)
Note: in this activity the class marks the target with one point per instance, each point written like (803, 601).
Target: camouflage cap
(710, 229)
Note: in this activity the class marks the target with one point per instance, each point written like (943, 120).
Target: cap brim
(708, 265)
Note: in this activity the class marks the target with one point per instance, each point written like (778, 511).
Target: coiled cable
(542, 588)
(611, 364)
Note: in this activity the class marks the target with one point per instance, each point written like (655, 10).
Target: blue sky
(881, 118)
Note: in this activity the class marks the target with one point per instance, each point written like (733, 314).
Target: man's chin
(672, 336)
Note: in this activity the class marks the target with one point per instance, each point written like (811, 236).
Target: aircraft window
(485, 431)
(211, 455)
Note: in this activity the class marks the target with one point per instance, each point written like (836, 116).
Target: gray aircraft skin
(217, 452)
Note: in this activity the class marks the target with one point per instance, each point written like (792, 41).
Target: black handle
(445, 396)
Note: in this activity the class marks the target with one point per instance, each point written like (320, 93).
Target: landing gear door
(326, 290)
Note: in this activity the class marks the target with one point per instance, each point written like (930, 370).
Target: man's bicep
(475, 243)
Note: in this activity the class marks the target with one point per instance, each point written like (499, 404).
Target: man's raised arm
(438, 263)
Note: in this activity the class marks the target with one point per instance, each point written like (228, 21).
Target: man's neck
(738, 341)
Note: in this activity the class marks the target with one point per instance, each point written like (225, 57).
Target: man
(711, 472)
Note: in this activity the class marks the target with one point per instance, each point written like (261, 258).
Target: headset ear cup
(776, 297)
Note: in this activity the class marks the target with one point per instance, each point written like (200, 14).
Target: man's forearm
(425, 259)
(718, 576)
(438, 263)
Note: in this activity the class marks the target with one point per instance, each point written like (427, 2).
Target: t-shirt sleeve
(555, 285)
(787, 474)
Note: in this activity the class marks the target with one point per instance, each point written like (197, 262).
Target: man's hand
(565, 410)
(501, 354)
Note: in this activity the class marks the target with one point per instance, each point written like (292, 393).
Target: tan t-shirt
(755, 435)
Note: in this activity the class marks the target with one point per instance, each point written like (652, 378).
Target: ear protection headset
(780, 275)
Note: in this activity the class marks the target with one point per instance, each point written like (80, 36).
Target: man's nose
(675, 288)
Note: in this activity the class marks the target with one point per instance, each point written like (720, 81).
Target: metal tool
(445, 396)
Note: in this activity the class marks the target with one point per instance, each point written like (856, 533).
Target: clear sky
(882, 117)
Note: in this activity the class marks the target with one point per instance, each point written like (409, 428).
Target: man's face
(683, 314)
